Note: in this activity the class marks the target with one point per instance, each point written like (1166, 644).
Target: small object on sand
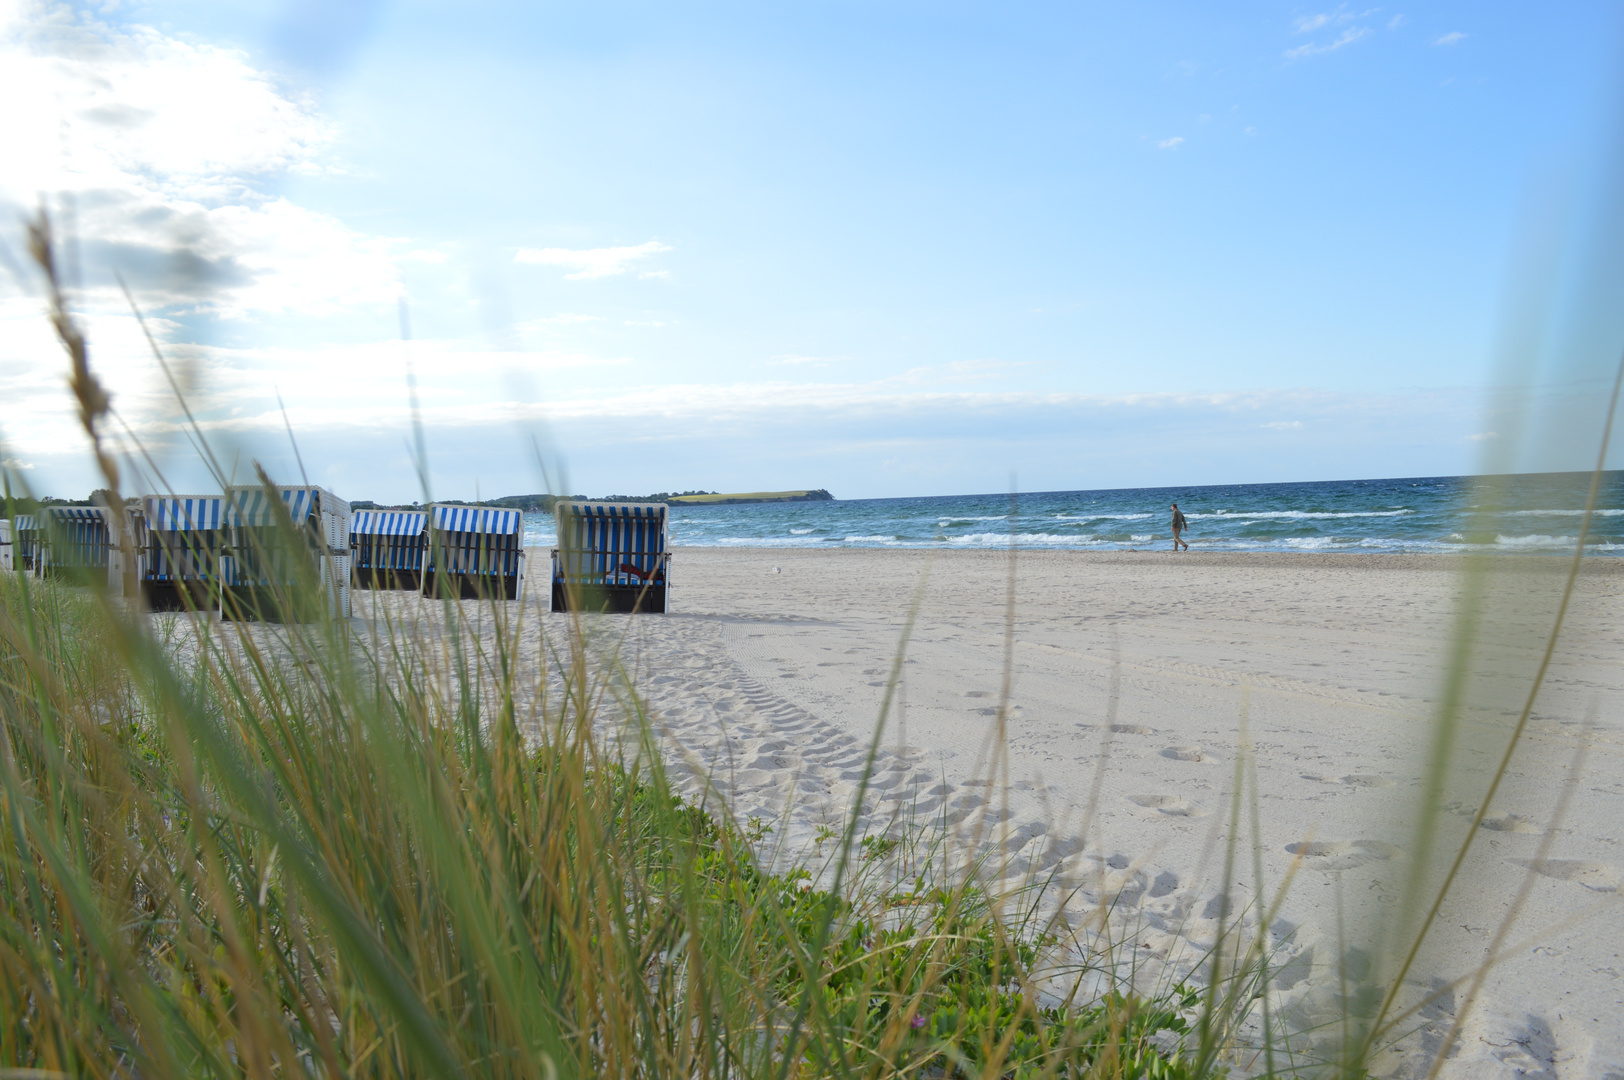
(775, 570)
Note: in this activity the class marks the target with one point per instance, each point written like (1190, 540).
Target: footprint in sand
(1341, 854)
(1511, 823)
(1187, 753)
(1131, 729)
(1361, 780)
(1169, 805)
(978, 693)
(1601, 877)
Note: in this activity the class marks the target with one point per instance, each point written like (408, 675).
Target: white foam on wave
(1560, 513)
(991, 538)
(1103, 517)
(801, 532)
(745, 541)
(1537, 540)
(1296, 515)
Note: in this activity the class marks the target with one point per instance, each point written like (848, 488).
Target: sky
(882, 248)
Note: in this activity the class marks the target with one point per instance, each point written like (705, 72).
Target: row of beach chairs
(238, 553)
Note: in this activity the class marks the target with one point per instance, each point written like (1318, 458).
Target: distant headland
(713, 497)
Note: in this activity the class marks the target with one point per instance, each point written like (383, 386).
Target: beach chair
(25, 543)
(73, 544)
(129, 573)
(179, 567)
(273, 567)
(388, 546)
(474, 552)
(611, 557)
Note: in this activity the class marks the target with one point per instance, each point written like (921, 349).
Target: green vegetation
(543, 504)
(271, 850)
(307, 854)
(295, 850)
(814, 495)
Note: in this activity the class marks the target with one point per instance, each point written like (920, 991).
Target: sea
(1528, 513)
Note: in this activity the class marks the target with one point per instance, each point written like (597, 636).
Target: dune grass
(256, 851)
(282, 849)
(268, 850)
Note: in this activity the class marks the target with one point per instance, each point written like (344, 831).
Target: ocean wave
(992, 538)
(956, 518)
(801, 532)
(1295, 515)
(1103, 517)
(743, 541)
(1537, 540)
(1559, 513)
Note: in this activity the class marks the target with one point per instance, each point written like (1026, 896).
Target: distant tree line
(537, 503)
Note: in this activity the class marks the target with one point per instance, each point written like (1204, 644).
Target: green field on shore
(753, 496)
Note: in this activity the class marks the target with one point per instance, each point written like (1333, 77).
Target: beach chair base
(178, 596)
(75, 575)
(388, 579)
(616, 598)
(471, 586)
(265, 603)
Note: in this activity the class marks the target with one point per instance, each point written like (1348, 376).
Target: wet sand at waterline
(769, 671)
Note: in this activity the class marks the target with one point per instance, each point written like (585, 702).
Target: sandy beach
(1129, 675)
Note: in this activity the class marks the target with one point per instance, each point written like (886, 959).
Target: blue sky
(884, 248)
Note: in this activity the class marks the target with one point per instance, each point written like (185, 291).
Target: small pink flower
(917, 1022)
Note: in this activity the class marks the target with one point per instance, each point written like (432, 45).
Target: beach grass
(282, 849)
(264, 850)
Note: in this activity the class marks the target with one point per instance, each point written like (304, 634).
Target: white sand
(770, 669)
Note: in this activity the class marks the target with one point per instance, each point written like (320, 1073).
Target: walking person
(1179, 525)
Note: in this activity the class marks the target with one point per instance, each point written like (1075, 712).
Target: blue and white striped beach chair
(474, 551)
(72, 543)
(182, 550)
(25, 543)
(389, 547)
(270, 563)
(611, 557)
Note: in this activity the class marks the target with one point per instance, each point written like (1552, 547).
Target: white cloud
(791, 360)
(1484, 436)
(1308, 24)
(162, 146)
(1284, 425)
(17, 464)
(982, 369)
(1395, 22)
(1171, 144)
(592, 263)
(1347, 37)
(565, 318)
(1450, 38)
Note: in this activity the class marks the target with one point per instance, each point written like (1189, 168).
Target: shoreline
(1374, 560)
